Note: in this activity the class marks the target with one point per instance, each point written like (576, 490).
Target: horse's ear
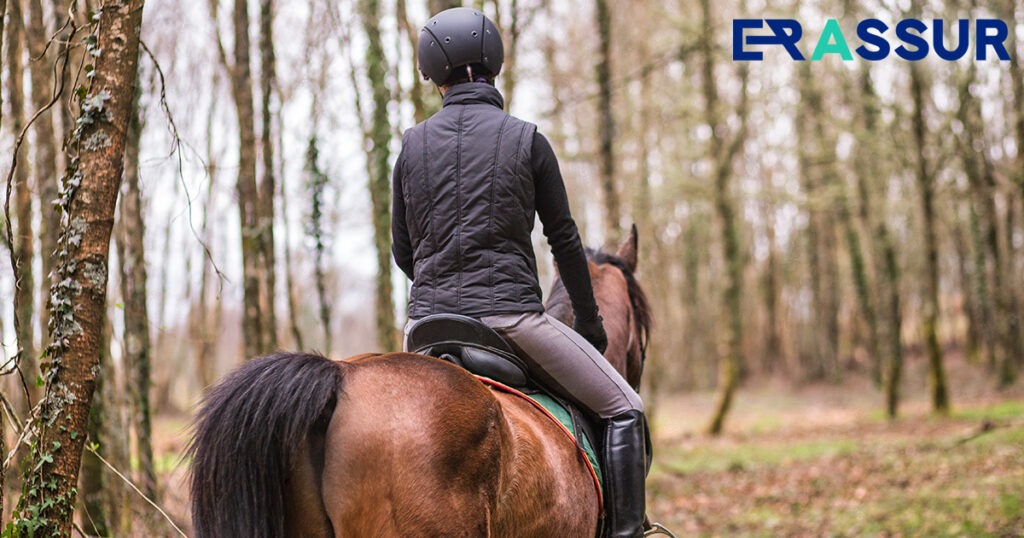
(628, 249)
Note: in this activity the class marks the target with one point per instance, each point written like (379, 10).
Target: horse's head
(623, 305)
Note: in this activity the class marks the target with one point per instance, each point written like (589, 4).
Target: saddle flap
(470, 344)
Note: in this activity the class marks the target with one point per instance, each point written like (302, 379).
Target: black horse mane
(637, 298)
(559, 305)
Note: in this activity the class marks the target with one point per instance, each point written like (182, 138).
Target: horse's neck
(558, 305)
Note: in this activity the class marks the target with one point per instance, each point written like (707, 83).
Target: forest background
(833, 249)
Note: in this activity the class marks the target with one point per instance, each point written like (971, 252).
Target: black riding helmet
(458, 37)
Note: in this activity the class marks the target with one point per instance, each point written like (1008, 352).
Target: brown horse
(400, 444)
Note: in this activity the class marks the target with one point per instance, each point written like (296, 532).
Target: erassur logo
(911, 39)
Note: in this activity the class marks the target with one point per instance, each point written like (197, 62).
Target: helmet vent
(448, 39)
(475, 33)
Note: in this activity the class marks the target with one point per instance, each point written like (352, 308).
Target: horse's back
(418, 447)
(412, 449)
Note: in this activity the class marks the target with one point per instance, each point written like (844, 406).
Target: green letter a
(825, 45)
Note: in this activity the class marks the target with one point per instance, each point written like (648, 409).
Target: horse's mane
(559, 305)
(637, 298)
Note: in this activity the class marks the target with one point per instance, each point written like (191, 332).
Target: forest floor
(812, 460)
(822, 460)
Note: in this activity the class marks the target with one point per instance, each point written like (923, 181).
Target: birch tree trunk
(78, 309)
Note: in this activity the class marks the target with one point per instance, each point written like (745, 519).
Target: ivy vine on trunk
(78, 295)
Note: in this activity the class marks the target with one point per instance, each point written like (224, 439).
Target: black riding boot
(625, 469)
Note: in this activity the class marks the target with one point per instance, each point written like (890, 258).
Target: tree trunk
(1017, 78)
(437, 6)
(254, 340)
(969, 283)
(773, 360)
(138, 348)
(95, 501)
(729, 363)
(872, 180)
(203, 328)
(1014, 339)
(416, 92)
(79, 292)
(289, 271)
(23, 249)
(380, 178)
(62, 118)
(45, 156)
(267, 187)
(816, 162)
(3, 429)
(317, 182)
(926, 184)
(895, 352)
(606, 124)
(508, 73)
(989, 261)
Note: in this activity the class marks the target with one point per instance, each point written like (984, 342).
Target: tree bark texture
(379, 170)
(3, 429)
(926, 185)
(79, 291)
(268, 265)
(255, 342)
(317, 182)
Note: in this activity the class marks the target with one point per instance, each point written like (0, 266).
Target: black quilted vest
(469, 200)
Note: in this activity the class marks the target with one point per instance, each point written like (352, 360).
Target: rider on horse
(466, 188)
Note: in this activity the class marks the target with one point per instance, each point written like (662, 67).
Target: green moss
(1007, 410)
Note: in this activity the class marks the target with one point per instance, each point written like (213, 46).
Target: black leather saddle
(470, 344)
(474, 346)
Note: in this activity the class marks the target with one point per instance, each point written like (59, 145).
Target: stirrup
(656, 529)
